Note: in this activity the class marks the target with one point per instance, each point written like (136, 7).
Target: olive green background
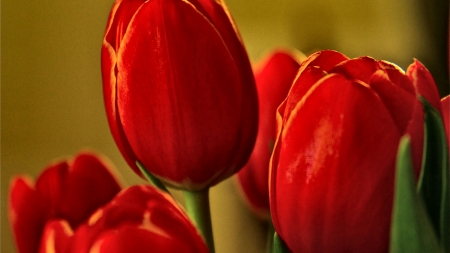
(51, 93)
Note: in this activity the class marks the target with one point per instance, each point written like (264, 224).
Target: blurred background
(51, 92)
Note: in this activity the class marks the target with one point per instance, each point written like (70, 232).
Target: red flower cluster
(76, 206)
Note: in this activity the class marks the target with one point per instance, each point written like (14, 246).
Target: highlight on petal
(56, 237)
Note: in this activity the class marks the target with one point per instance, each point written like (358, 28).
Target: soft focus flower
(332, 170)
(138, 219)
(274, 77)
(179, 90)
(71, 190)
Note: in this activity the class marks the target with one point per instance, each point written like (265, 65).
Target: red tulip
(179, 90)
(274, 77)
(332, 170)
(139, 219)
(71, 190)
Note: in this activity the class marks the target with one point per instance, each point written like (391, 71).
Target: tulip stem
(270, 235)
(197, 206)
(152, 179)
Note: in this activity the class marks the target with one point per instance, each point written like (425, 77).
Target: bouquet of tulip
(339, 154)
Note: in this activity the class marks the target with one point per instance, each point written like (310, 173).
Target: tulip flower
(138, 219)
(179, 90)
(274, 77)
(71, 190)
(333, 165)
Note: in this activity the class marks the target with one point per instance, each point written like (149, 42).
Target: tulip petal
(357, 69)
(74, 190)
(109, 62)
(217, 13)
(399, 102)
(325, 60)
(179, 120)
(397, 76)
(341, 187)
(56, 237)
(27, 214)
(274, 80)
(139, 219)
(301, 86)
(403, 106)
(424, 83)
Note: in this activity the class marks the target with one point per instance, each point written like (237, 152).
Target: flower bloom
(274, 77)
(71, 190)
(138, 219)
(332, 170)
(179, 90)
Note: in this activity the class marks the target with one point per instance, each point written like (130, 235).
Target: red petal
(74, 190)
(219, 16)
(325, 60)
(333, 174)
(109, 61)
(399, 102)
(180, 97)
(308, 77)
(27, 214)
(445, 106)
(139, 216)
(397, 76)
(56, 237)
(424, 83)
(357, 69)
(121, 14)
(274, 80)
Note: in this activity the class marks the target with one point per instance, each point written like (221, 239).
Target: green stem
(270, 233)
(197, 206)
(152, 179)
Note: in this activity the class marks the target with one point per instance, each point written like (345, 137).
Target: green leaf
(411, 230)
(434, 178)
(278, 245)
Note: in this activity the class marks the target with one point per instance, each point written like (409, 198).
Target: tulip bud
(274, 76)
(179, 91)
(71, 190)
(332, 170)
